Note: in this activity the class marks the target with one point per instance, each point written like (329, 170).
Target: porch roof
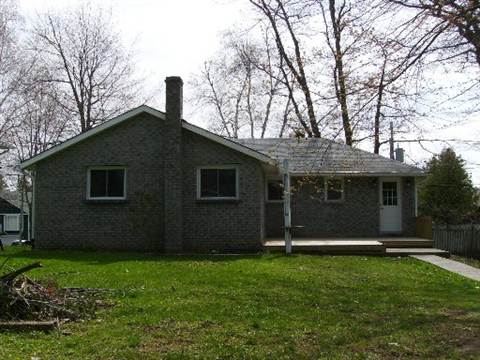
(326, 157)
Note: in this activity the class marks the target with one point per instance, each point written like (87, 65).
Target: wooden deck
(385, 246)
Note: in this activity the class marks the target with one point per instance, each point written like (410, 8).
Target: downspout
(22, 214)
(415, 190)
(31, 230)
(287, 214)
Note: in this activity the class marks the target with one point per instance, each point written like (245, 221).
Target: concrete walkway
(8, 239)
(451, 265)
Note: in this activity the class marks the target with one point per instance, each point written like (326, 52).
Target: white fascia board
(228, 143)
(96, 130)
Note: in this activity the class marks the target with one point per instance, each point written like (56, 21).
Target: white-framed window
(106, 183)
(274, 189)
(334, 189)
(217, 182)
(11, 222)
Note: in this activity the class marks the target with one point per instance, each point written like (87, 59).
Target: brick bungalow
(150, 181)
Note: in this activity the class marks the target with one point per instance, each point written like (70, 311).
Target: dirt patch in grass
(455, 334)
(462, 333)
(171, 335)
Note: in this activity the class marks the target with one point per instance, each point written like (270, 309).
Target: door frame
(399, 182)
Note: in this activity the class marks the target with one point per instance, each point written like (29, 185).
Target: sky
(173, 37)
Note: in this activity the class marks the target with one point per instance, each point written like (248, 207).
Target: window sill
(105, 201)
(218, 201)
(334, 201)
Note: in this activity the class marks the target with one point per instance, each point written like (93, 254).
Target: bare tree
(281, 19)
(241, 86)
(462, 24)
(11, 69)
(41, 123)
(86, 63)
(336, 22)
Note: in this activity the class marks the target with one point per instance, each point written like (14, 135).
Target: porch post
(287, 223)
(415, 189)
(32, 213)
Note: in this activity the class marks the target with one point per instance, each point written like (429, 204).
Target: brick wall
(224, 226)
(64, 219)
(408, 207)
(357, 216)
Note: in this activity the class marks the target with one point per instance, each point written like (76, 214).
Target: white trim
(215, 198)
(228, 143)
(399, 182)
(102, 127)
(134, 112)
(287, 210)
(90, 168)
(32, 222)
(325, 187)
(270, 178)
(415, 189)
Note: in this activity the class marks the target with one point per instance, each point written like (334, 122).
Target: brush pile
(25, 300)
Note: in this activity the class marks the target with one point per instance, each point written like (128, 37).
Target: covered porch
(383, 246)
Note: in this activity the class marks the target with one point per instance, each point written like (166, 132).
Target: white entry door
(390, 205)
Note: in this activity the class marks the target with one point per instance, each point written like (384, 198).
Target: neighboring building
(148, 180)
(10, 219)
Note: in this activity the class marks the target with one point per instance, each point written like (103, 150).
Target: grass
(271, 306)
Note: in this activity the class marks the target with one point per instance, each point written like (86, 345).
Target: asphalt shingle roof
(323, 156)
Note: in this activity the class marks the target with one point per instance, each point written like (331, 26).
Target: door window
(389, 193)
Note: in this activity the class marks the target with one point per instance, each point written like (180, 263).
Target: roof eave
(27, 164)
(96, 130)
(229, 143)
(358, 173)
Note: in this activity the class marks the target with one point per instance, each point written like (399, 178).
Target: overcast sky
(175, 37)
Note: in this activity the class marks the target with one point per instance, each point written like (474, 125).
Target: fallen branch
(11, 276)
(26, 304)
(29, 325)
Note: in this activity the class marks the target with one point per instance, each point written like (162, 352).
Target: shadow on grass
(108, 257)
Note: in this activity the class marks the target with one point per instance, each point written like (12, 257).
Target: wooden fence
(463, 240)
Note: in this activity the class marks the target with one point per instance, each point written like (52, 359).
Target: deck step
(416, 251)
(406, 243)
(328, 246)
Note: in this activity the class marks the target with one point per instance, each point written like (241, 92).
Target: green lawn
(268, 306)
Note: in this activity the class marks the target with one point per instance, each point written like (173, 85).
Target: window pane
(116, 184)
(208, 183)
(389, 193)
(275, 190)
(12, 222)
(334, 189)
(98, 183)
(227, 183)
